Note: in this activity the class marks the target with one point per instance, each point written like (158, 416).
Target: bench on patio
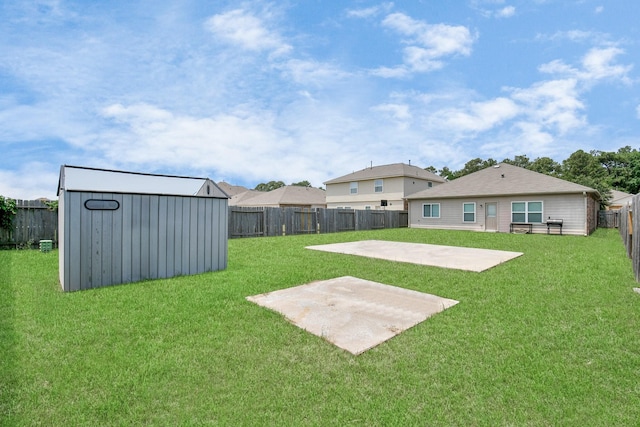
(521, 227)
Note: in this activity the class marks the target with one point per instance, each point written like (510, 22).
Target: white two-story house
(379, 187)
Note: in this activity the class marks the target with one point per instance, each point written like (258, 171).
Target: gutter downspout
(586, 213)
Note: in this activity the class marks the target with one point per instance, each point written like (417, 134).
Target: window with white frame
(528, 212)
(469, 212)
(431, 210)
(377, 186)
(367, 208)
(353, 188)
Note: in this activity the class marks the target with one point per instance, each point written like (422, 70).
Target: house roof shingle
(387, 171)
(287, 195)
(502, 180)
(230, 189)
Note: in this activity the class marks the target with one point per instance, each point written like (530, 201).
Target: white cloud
(599, 9)
(638, 111)
(597, 64)
(370, 11)
(312, 72)
(30, 181)
(553, 104)
(391, 72)
(247, 31)
(478, 116)
(398, 113)
(506, 12)
(429, 44)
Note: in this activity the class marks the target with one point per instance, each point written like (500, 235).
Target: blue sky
(249, 92)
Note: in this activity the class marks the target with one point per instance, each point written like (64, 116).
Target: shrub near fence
(34, 221)
(629, 226)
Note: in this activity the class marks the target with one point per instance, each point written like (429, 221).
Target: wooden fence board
(35, 221)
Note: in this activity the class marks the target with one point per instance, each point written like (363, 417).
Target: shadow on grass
(8, 339)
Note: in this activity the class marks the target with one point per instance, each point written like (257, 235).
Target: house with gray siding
(119, 227)
(379, 187)
(506, 198)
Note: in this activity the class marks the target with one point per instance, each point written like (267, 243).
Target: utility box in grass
(46, 245)
(120, 227)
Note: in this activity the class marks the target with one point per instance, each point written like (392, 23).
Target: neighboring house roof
(287, 195)
(619, 198)
(502, 180)
(243, 197)
(232, 190)
(388, 171)
(78, 178)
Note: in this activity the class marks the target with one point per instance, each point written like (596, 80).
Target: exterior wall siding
(147, 237)
(570, 208)
(394, 190)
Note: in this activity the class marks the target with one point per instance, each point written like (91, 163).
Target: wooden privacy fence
(609, 219)
(629, 227)
(253, 222)
(34, 221)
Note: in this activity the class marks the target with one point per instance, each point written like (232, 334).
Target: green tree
(546, 165)
(304, 183)
(431, 169)
(269, 186)
(474, 166)
(520, 161)
(447, 173)
(8, 210)
(585, 169)
(622, 168)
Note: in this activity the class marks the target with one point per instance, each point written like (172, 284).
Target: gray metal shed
(121, 227)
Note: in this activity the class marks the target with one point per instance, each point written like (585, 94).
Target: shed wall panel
(148, 236)
(154, 231)
(171, 236)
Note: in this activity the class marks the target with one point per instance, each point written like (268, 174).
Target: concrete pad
(636, 290)
(461, 258)
(352, 313)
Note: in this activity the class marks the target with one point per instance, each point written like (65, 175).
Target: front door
(491, 217)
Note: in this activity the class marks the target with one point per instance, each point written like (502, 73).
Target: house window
(530, 212)
(367, 208)
(378, 186)
(353, 188)
(469, 212)
(431, 210)
(429, 184)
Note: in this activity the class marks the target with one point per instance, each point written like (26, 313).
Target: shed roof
(287, 195)
(388, 171)
(79, 178)
(502, 179)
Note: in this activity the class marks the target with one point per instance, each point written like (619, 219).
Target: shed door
(491, 217)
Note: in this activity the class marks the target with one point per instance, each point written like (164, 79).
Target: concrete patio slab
(353, 314)
(461, 258)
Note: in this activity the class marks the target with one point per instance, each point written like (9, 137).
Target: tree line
(602, 170)
(273, 185)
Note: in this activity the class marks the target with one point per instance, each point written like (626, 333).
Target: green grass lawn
(550, 338)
